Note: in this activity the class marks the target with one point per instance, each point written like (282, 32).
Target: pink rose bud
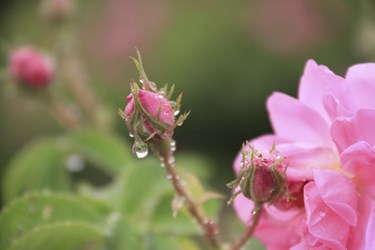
(57, 10)
(156, 113)
(149, 113)
(30, 67)
(262, 177)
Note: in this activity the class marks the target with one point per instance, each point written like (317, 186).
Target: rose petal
(339, 194)
(359, 159)
(361, 77)
(316, 82)
(297, 122)
(322, 222)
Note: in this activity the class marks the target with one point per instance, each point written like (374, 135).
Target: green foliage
(134, 211)
(28, 216)
(40, 165)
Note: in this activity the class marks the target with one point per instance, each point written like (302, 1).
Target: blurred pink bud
(56, 10)
(30, 67)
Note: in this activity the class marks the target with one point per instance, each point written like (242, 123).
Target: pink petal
(339, 194)
(347, 131)
(316, 82)
(322, 222)
(359, 159)
(297, 122)
(363, 233)
(361, 77)
(301, 161)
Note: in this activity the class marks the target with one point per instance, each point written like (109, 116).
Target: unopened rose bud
(29, 67)
(56, 10)
(262, 177)
(151, 115)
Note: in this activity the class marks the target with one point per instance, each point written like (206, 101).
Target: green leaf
(163, 221)
(143, 187)
(40, 165)
(61, 236)
(108, 152)
(125, 236)
(35, 209)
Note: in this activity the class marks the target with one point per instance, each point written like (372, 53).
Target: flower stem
(164, 151)
(257, 211)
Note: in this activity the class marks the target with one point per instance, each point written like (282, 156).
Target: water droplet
(140, 149)
(74, 163)
(169, 177)
(171, 160)
(141, 80)
(173, 145)
(176, 112)
(162, 164)
(131, 135)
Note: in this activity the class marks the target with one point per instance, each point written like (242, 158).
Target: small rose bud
(262, 177)
(156, 115)
(30, 67)
(56, 10)
(149, 114)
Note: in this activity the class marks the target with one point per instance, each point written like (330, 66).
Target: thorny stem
(249, 229)
(164, 152)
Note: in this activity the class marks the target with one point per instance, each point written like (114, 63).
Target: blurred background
(225, 56)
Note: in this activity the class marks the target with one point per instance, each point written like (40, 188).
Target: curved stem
(164, 151)
(250, 229)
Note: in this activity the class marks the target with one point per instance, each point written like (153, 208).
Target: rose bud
(149, 113)
(30, 67)
(261, 178)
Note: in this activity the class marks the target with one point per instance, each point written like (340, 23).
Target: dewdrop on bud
(262, 177)
(140, 149)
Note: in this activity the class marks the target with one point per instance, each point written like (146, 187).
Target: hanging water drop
(131, 135)
(173, 145)
(176, 112)
(74, 163)
(140, 149)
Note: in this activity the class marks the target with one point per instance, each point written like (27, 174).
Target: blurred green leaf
(39, 165)
(35, 209)
(163, 221)
(143, 187)
(61, 236)
(125, 236)
(104, 150)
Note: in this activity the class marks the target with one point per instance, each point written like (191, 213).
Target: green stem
(257, 211)
(209, 227)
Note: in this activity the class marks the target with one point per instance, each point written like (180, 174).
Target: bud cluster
(262, 177)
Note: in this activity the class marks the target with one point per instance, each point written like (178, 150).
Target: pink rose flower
(30, 67)
(327, 138)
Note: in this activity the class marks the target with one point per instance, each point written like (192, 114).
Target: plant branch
(164, 151)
